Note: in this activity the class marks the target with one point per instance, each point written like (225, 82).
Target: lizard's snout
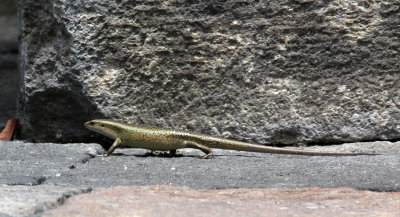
(88, 124)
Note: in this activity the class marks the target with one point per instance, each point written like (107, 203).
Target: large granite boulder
(280, 72)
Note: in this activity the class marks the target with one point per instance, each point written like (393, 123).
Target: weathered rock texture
(75, 164)
(174, 201)
(38, 176)
(261, 71)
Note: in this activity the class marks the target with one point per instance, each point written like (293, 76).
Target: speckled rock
(279, 72)
(75, 164)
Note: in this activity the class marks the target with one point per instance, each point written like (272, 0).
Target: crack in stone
(40, 180)
(40, 209)
(86, 159)
(35, 182)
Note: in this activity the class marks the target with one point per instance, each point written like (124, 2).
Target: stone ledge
(32, 166)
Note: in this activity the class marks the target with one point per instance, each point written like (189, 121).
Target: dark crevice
(324, 141)
(86, 159)
(69, 122)
(36, 181)
(379, 189)
(60, 201)
(65, 196)
(335, 142)
(40, 180)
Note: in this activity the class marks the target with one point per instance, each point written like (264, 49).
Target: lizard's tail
(221, 143)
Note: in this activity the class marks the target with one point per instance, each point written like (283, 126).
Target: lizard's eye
(102, 125)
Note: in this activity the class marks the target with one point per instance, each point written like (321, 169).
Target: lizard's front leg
(116, 143)
(203, 148)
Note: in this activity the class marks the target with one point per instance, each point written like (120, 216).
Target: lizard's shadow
(151, 155)
(161, 155)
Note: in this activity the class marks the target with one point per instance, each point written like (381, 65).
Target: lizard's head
(108, 128)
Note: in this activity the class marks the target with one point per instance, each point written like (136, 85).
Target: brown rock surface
(178, 201)
(8, 132)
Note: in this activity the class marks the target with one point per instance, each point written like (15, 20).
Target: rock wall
(280, 72)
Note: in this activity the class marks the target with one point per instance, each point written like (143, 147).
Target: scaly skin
(156, 139)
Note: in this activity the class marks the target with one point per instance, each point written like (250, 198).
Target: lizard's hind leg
(205, 149)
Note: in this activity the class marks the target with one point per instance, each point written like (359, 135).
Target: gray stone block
(74, 165)
(32, 163)
(35, 177)
(279, 72)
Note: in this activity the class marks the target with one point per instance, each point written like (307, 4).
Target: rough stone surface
(261, 71)
(31, 164)
(41, 175)
(75, 165)
(20, 200)
(174, 201)
(8, 61)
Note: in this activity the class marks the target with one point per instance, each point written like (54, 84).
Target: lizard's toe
(207, 156)
(102, 155)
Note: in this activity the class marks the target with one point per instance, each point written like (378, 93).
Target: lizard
(156, 139)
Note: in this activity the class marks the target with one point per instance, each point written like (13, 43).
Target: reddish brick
(178, 201)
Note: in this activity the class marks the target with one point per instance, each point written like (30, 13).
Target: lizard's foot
(207, 156)
(153, 152)
(301, 145)
(102, 155)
